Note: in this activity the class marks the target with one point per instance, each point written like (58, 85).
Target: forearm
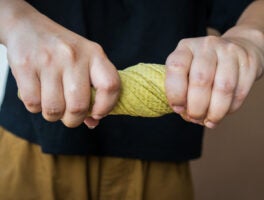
(11, 12)
(253, 16)
(250, 24)
(250, 30)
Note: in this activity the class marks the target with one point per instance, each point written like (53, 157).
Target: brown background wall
(232, 165)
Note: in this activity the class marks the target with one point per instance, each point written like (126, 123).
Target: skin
(206, 78)
(55, 68)
(209, 77)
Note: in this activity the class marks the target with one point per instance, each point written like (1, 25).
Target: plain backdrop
(232, 165)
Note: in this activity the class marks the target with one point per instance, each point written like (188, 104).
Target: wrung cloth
(142, 91)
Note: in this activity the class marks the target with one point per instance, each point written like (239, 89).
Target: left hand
(209, 77)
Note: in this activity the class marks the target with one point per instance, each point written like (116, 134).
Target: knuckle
(242, 53)
(210, 40)
(110, 85)
(53, 112)
(176, 98)
(225, 87)
(172, 63)
(78, 109)
(232, 48)
(98, 55)
(183, 42)
(44, 58)
(97, 48)
(240, 95)
(200, 79)
(68, 51)
(235, 51)
(32, 104)
(21, 62)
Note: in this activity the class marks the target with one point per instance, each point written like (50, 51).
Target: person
(58, 49)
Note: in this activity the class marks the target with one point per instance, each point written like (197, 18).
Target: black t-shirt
(130, 31)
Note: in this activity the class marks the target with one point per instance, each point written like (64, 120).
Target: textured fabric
(28, 174)
(142, 92)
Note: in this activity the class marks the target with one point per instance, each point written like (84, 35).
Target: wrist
(251, 38)
(12, 12)
(246, 32)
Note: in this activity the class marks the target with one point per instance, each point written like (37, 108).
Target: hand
(209, 77)
(55, 69)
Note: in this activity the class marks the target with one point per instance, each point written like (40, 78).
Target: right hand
(55, 69)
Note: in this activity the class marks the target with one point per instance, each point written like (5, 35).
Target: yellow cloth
(142, 91)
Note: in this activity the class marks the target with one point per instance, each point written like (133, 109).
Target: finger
(223, 89)
(177, 68)
(245, 81)
(106, 81)
(76, 87)
(29, 89)
(186, 117)
(91, 122)
(52, 95)
(201, 78)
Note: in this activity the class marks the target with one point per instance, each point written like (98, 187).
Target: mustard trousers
(28, 174)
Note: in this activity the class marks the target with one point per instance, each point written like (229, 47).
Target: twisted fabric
(142, 91)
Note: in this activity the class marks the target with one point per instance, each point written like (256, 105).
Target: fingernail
(196, 121)
(209, 124)
(86, 122)
(178, 109)
(91, 127)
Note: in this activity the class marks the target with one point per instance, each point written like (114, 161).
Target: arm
(55, 68)
(209, 77)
